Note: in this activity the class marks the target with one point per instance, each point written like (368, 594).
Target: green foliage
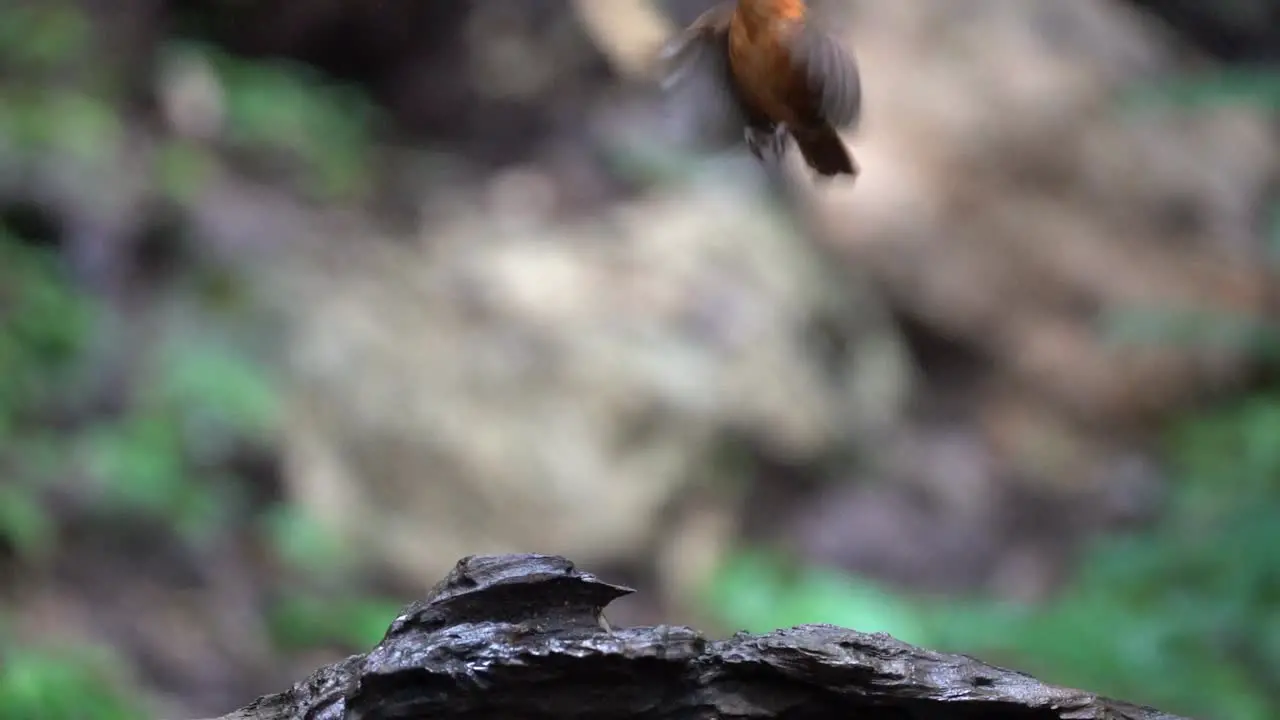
(63, 684)
(1273, 235)
(286, 110)
(1182, 617)
(757, 591)
(321, 611)
(1251, 336)
(62, 100)
(302, 543)
(162, 456)
(24, 523)
(1239, 85)
(305, 621)
(165, 457)
(41, 36)
(43, 327)
(196, 398)
(182, 169)
(141, 465)
(52, 101)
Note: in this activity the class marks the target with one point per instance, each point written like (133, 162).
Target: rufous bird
(773, 73)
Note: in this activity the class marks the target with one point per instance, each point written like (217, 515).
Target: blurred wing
(708, 25)
(701, 36)
(833, 75)
(697, 82)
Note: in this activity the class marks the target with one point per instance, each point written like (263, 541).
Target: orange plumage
(784, 77)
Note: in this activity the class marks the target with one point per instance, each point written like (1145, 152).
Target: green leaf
(218, 391)
(24, 522)
(1237, 85)
(63, 684)
(303, 542)
(305, 621)
(139, 463)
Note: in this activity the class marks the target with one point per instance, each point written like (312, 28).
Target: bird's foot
(754, 142)
(781, 138)
(773, 141)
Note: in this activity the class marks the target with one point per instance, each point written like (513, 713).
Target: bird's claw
(774, 141)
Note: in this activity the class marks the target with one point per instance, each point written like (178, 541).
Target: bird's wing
(704, 34)
(833, 75)
(697, 81)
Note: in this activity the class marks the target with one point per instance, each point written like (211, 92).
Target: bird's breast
(767, 76)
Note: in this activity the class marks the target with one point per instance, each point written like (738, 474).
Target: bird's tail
(824, 151)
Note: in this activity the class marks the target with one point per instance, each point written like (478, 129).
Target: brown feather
(824, 151)
(773, 66)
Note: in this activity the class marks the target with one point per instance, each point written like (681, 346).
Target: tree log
(524, 637)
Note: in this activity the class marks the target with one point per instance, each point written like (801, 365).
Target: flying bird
(768, 69)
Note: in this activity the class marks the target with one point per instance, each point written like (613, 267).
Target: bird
(768, 69)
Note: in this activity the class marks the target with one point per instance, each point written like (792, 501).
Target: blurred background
(301, 302)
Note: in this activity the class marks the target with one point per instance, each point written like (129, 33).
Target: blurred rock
(526, 380)
(512, 382)
(1016, 198)
(1021, 190)
(945, 511)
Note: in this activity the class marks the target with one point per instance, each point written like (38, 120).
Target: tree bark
(523, 637)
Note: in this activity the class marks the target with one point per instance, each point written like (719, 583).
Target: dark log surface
(523, 637)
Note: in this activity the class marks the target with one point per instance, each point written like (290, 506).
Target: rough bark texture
(522, 636)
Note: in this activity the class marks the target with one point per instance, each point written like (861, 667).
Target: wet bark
(523, 636)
